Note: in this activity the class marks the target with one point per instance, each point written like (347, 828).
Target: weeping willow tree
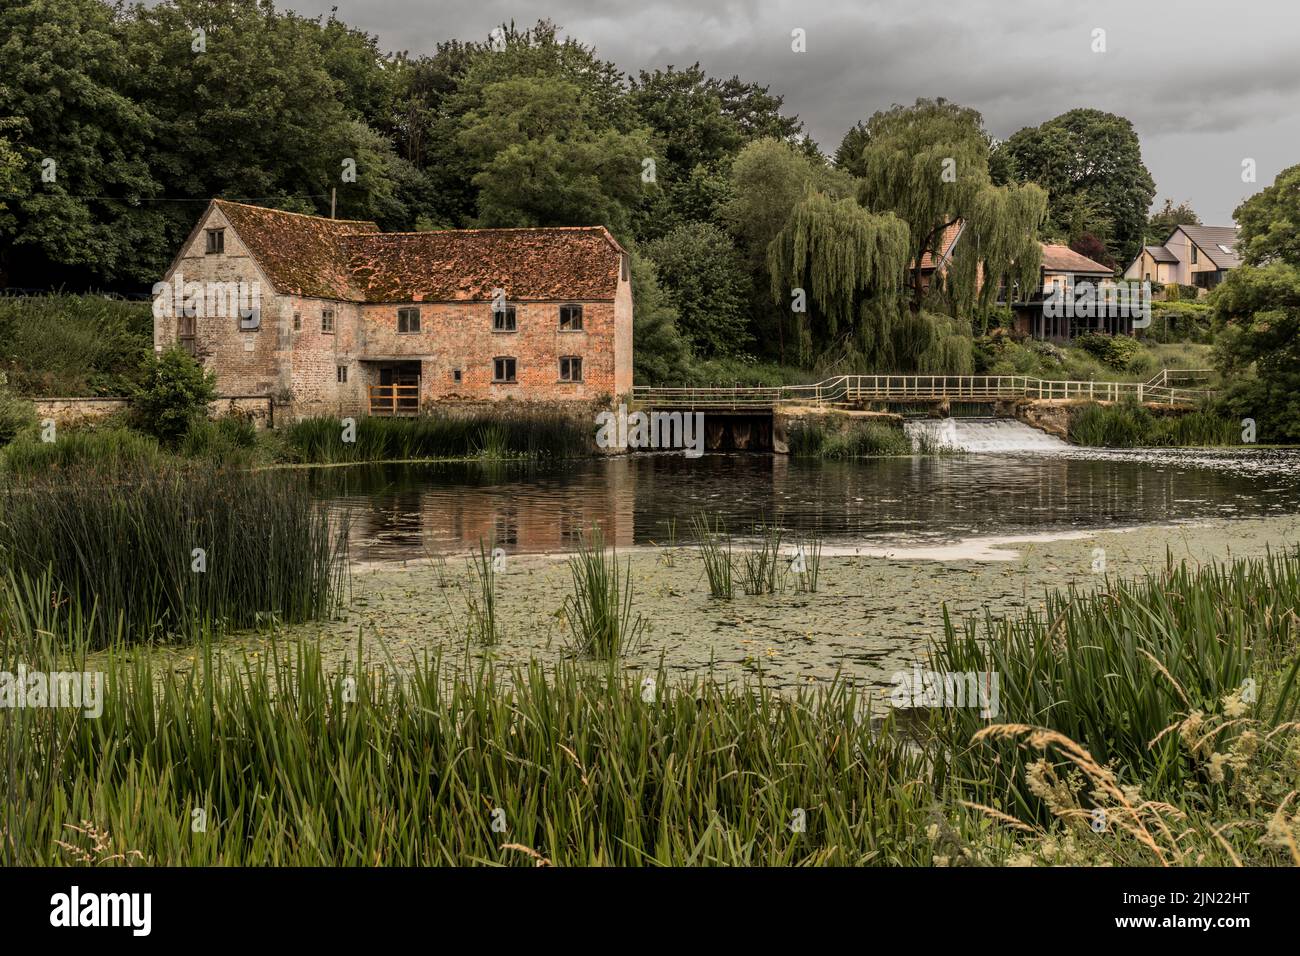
(928, 164)
(849, 265)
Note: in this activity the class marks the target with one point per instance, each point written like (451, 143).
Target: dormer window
(216, 242)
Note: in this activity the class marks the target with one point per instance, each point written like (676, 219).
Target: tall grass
(715, 552)
(172, 552)
(74, 345)
(762, 567)
(599, 611)
(108, 450)
(291, 766)
(839, 439)
(1128, 424)
(1116, 669)
(482, 602)
(499, 433)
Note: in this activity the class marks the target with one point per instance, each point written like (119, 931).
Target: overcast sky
(1207, 84)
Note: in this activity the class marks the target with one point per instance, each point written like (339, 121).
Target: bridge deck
(853, 389)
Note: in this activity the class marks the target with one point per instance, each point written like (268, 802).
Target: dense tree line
(118, 121)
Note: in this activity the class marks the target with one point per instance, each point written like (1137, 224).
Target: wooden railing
(394, 399)
(846, 389)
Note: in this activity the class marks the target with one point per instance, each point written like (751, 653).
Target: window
(408, 320)
(1193, 253)
(327, 320)
(297, 321)
(342, 373)
(571, 318)
(455, 375)
(503, 319)
(216, 241)
(570, 368)
(503, 370)
(185, 332)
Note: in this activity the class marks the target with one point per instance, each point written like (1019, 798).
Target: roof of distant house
(1160, 254)
(352, 260)
(949, 239)
(1057, 258)
(1217, 242)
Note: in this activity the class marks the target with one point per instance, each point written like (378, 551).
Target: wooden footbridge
(1169, 387)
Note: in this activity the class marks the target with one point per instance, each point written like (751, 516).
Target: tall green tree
(1257, 309)
(78, 147)
(662, 355)
(928, 164)
(1090, 163)
(1163, 222)
(707, 283)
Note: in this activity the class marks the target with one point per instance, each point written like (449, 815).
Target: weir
(987, 436)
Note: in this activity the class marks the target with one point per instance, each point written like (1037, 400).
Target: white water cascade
(984, 435)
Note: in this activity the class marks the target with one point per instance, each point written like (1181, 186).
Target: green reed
(599, 611)
(715, 550)
(482, 603)
(762, 567)
(173, 552)
(1116, 668)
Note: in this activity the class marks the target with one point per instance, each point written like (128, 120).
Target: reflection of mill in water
(520, 512)
(407, 512)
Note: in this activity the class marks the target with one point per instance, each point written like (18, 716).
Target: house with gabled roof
(336, 317)
(1199, 256)
(1063, 272)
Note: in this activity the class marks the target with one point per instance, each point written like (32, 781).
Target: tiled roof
(354, 261)
(470, 264)
(1217, 242)
(301, 255)
(1160, 254)
(946, 242)
(1058, 258)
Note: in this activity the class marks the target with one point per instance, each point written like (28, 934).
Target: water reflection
(407, 511)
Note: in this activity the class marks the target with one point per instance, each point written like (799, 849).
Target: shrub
(74, 345)
(17, 416)
(1116, 351)
(176, 390)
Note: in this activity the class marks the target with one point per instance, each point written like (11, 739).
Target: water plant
(599, 610)
(808, 556)
(762, 567)
(499, 433)
(715, 551)
(171, 552)
(837, 439)
(482, 603)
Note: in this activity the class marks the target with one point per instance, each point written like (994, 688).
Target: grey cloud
(1203, 82)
